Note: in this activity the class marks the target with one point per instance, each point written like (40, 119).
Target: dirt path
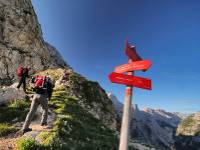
(9, 142)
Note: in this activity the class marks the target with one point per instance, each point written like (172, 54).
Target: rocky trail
(9, 142)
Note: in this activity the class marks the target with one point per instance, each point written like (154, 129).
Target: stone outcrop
(190, 126)
(21, 41)
(10, 93)
(188, 133)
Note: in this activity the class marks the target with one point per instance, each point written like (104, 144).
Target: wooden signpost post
(135, 63)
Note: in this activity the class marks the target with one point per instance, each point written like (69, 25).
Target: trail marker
(130, 80)
(132, 66)
(135, 63)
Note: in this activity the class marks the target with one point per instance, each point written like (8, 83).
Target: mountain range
(154, 127)
(82, 116)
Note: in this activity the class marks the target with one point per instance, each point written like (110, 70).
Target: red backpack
(20, 71)
(39, 81)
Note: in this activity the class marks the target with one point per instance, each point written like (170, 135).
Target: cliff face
(21, 41)
(80, 113)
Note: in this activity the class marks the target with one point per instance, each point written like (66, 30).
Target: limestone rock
(21, 41)
(188, 133)
(10, 93)
(190, 125)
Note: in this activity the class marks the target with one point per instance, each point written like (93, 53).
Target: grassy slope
(10, 114)
(74, 128)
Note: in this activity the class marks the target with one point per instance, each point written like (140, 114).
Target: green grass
(90, 92)
(75, 128)
(47, 138)
(14, 112)
(26, 144)
(5, 129)
(11, 113)
(19, 104)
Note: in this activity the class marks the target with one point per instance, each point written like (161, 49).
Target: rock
(10, 93)
(190, 126)
(21, 41)
(32, 134)
(188, 133)
(140, 146)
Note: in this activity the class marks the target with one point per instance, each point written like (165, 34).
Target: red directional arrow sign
(135, 65)
(130, 51)
(130, 80)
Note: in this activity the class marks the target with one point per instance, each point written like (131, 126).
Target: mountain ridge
(154, 127)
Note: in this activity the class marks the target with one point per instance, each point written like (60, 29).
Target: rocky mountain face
(81, 116)
(21, 41)
(188, 133)
(153, 127)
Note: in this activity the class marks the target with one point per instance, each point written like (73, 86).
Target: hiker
(64, 77)
(49, 85)
(66, 74)
(42, 85)
(22, 74)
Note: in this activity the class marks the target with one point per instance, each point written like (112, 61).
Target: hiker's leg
(49, 93)
(24, 84)
(34, 106)
(44, 105)
(20, 82)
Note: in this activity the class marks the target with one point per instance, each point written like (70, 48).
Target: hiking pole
(124, 136)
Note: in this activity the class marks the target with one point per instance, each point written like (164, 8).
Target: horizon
(91, 36)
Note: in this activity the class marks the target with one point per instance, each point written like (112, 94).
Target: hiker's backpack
(40, 81)
(20, 71)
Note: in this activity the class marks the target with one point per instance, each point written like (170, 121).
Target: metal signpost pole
(124, 136)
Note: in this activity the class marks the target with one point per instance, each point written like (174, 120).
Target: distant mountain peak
(152, 126)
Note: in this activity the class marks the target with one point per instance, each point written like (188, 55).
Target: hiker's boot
(26, 130)
(44, 124)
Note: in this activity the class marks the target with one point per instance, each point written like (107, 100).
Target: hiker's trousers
(22, 81)
(38, 99)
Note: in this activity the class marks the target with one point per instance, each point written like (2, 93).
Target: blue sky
(90, 34)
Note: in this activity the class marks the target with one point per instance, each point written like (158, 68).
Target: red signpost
(130, 80)
(135, 63)
(130, 51)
